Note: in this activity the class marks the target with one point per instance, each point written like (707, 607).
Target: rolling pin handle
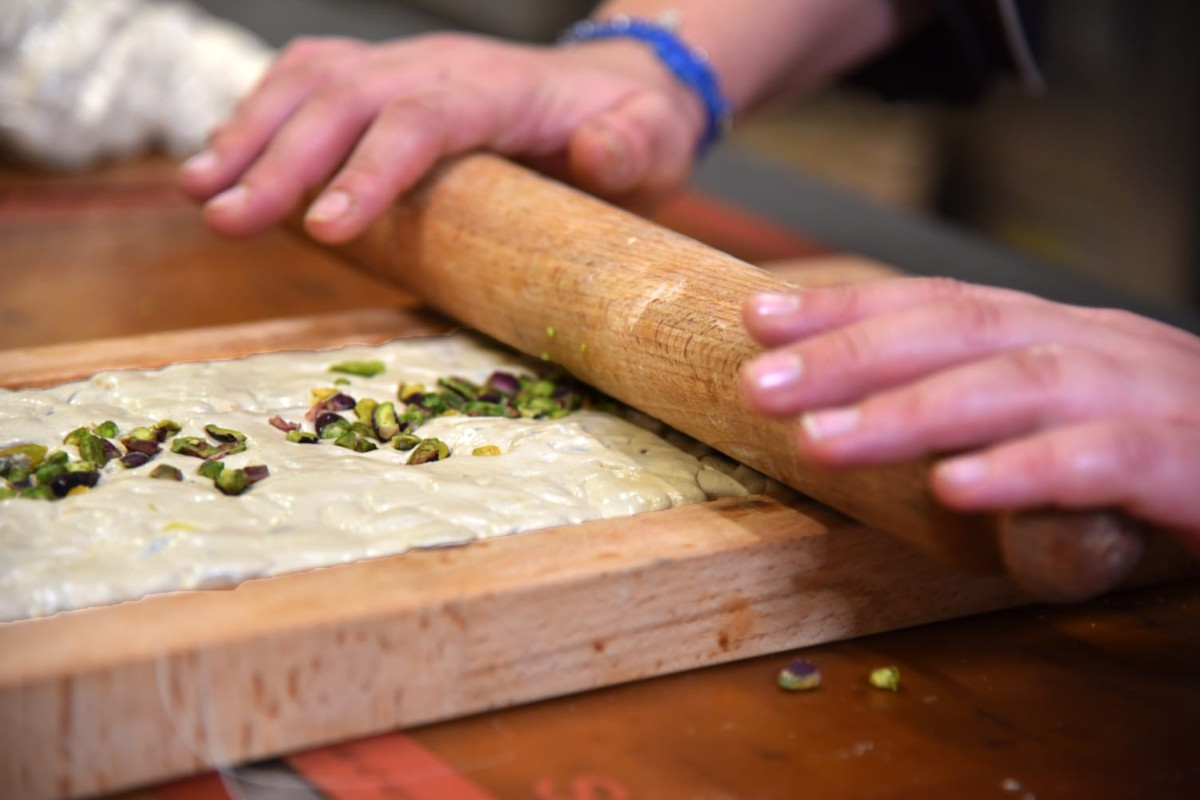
(1068, 556)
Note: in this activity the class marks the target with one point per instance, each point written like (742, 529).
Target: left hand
(1036, 403)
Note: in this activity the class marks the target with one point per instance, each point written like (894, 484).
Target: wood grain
(654, 318)
(109, 698)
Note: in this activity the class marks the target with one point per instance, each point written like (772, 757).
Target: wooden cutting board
(110, 698)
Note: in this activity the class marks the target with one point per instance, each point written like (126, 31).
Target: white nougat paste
(322, 505)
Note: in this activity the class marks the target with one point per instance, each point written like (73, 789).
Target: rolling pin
(653, 319)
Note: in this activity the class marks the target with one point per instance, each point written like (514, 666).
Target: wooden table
(1100, 700)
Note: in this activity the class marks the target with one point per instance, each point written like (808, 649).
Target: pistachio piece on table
(64, 482)
(75, 436)
(166, 472)
(503, 382)
(352, 441)
(364, 429)
(166, 428)
(92, 448)
(303, 437)
(256, 472)
(486, 450)
(38, 493)
(429, 450)
(6, 493)
(147, 447)
(800, 675)
(886, 678)
(107, 429)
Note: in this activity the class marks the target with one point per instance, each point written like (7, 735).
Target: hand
(1040, 404)
(372, 119)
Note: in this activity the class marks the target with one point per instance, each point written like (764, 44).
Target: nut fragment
(886, 678)
(800, 675)
(486, 450)
(386, 424)
(429, 450)
(363, 369)
(166, 472)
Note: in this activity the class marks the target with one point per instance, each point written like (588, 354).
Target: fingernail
(776, 371)
(232, 199)
(962, 471)
(828, 424)
(202, 162)
(329, 207)
(772, 304)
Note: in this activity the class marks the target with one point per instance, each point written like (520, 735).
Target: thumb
(641, 147)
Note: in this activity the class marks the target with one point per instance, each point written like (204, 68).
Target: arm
(372, 119)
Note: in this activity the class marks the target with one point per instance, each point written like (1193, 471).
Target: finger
(409, 135)
(1010, 395)
(234, 145)
(777, 319)
(1149, 469)
(843, 365)
(303, 154)
(639, 149)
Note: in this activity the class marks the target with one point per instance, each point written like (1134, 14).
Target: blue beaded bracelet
(689, 65)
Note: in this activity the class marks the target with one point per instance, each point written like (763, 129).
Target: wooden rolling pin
(654, 319)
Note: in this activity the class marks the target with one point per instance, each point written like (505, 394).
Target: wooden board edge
(115, 697)
(48, 365)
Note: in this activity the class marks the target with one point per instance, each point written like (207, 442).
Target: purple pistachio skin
(256, 472)
(799, 676)
(503, 382)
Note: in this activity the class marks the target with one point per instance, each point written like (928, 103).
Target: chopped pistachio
(461, 387)
(256, 472)
(583, 349)
(224, 434)
(479, 408)
(194, 446)
(211, 469)
(232, 481)
(364, 429)
(503, 382)
(34, 452)
(6, 493)
(429, 450)
(550, 331)
(413, 419)
(91, 448)
(352, 441)
(107, 429)
(407, 390)
(74, 437)
(282, 424)
(405, 441)
(57, 457)
(48, 471)
(178, 526)
(365, 369)
(166, 472)
(799, 675)
(486, 450)
(541, 388)
(545, 355)
(18, 474)
(166, 428)
(74, 491)
(38, 493)
(364, 408)
(323, 394)
(303, 437)
(231, 448)
(134, 459)
(149, 448)
(887, 678)
(386, 424)
(141, 434)
(341, 382)
(331, 425)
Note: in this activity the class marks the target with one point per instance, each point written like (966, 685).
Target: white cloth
(87, 80)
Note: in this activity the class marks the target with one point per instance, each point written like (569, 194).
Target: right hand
(370, 120)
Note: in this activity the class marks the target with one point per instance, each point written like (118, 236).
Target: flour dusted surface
(322, 505)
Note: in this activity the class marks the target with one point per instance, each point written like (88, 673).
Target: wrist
(653, 50)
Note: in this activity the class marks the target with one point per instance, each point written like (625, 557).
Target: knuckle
(850, 350)
(1129, 447)
(979, 320)
(1041, 368)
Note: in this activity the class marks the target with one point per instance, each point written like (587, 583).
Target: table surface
(1098, 700)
